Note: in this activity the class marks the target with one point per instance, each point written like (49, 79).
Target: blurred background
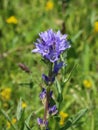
(20, 24)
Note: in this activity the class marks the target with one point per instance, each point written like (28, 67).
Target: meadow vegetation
(20, 24)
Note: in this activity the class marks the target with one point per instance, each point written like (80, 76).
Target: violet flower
(57, 67)
(43, 94)
(48, 80)
(51, 44)
(53, 110)
(42, 123)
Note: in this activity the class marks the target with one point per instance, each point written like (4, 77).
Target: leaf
(58, 86)
(22, 120)
(77, 36)
(75, 65)
(79, 115)
(19, 110)
(20, 115)
(52, 102)
(27, 122)
(27, 127)
(74, 120)
(60, 97)
(8, 118)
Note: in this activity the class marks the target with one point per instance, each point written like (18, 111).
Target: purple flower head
(51, 44)
(42, 123)
(53, 110)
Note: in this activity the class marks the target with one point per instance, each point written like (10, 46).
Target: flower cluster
(13, 121)
(96, 26)
(87, 83)
(24, 105)
(5, 94)
(49, 5)
(52, 109)
(12, 20)
(50, 45)
(63, 116)
(42, 123)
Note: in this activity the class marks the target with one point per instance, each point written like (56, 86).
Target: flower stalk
(50, 45)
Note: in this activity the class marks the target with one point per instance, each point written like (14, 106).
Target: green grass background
(17, 41)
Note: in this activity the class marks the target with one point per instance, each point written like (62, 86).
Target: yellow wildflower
(49, 5)
(63, 116)
(6, 94)
(61, 122)
(8, 124)
(87, 83)
(13, 122)
(12, 19)
(96, 26)
(24, 105)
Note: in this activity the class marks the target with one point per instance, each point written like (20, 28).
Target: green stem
(46, 109)
(48, 91)
(50, 69)
(92, 123)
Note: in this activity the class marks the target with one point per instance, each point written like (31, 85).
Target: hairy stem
(46, 104)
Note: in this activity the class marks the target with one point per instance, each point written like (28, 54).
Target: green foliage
(76, 18)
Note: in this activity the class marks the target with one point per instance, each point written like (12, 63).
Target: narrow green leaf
(60, 97)
(58, 86)
(74, 120)
(19, 110)
(79, 115)
(8, 118)
(27, 122)
(75, 65)
(27, 127)
(77, 35)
